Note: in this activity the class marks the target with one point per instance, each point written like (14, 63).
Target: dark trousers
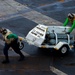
(14, 46)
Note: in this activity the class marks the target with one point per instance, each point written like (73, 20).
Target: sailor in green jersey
(71, 19)
(11, 40)
(12, 37)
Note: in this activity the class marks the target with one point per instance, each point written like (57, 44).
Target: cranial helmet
(3, 31)
(71, 15)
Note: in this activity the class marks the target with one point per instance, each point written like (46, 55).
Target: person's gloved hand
(67, 32)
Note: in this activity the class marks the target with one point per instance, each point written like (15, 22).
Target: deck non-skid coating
(39, 62)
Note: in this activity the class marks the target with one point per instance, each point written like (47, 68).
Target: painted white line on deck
(24, 53)
(57, 71)
(32, 15)
(2, 42)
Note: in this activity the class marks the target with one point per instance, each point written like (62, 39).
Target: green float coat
(14, 36)
(73, 24)
(66, 21)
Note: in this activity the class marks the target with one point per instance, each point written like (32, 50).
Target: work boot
(21, 58)
(5, 61)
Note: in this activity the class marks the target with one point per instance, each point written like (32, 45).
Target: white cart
(51, 37)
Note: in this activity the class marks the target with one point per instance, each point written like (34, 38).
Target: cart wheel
(64, 50)
(21, 46)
